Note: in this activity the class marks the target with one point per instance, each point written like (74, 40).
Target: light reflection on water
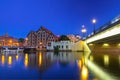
(64, 66)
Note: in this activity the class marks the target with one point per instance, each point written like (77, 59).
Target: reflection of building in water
(84, 73)
(8, 59)
(62, 56)
(44, 60)
(119, 59)
(106, 60)
(37, 59)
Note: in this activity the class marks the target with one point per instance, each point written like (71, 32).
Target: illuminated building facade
(73, 38)
(40, 38)
(8, 41)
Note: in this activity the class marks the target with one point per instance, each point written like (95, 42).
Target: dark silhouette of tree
(63, 38)
(21, 40)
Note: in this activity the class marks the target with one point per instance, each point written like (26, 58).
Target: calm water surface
(59, 66)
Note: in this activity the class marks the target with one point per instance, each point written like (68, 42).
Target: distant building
(73, 38)
(7, 40)
(40, 38)
(32, 39)
(62, 45)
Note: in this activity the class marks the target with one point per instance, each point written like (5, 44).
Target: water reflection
(3, 59)
(9, 60)
(105, 66)
(63, 65)
(91, 58)
(17, 57)
(106, 60)
(119, 59)
(26, 60)
(84, 73)
(40, 59)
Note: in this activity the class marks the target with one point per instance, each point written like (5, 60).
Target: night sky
(18, 17)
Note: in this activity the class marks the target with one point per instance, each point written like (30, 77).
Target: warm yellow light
(119, 59)
(26, 39)
(83, 60)
(84, 30)
(80, 64)
(3, 59)
(26, 60)
(9, 60)
(91, 58)
(84, 73)
(16, 57)
(40, 59)
(90, 44)
(118, 45)
(105, 45)
(96, 69)
(40, 43)
(106, 60)
(10, 41)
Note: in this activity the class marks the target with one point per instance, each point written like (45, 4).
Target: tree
(21, 40)
(63, 38)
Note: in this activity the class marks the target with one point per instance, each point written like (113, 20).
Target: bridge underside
(112, 39)
(107, 44)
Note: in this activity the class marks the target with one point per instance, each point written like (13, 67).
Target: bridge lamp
(94, 22)
(83, 30)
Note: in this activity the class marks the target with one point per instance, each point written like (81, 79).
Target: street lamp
(94, 22)
(83, 31)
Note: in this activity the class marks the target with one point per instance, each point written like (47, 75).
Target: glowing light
(40, 43)
(3, 59)
(119, 45)
(119, 59)
(106, 60)
(94, 21)
(40, 59)
(105, 45)
(91, 58)
(83, 30)
(84, 73)
(90, 44)
(16, 57)
(80, 64)
(10, 41)
(26, 60)
(107, 33)
(26, 39)
(9, 60)
(103, 75)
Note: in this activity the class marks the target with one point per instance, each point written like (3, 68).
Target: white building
(62, 45)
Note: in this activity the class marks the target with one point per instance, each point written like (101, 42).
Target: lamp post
(83, 31)
(94, 22)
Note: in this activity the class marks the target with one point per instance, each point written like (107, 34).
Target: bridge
(106, 37)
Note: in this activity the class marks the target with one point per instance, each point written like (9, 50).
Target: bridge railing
(104, 27)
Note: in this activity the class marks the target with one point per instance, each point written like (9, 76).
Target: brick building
(40, 38)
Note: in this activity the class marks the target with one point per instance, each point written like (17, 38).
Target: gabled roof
(46, 30)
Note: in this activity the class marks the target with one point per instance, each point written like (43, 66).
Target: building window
(62, 47)
(66, 46)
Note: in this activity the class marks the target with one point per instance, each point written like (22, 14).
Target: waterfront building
(31, 39)
(62, 45)
(40, 38)
(7, 40)
(73, 38)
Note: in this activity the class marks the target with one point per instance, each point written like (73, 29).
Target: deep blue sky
(18, 17)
